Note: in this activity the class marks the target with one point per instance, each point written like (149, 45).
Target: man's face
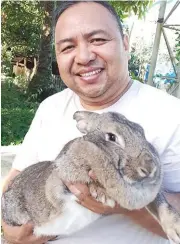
(91, 55)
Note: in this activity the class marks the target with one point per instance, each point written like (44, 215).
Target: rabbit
(128, 172)
(133, 139)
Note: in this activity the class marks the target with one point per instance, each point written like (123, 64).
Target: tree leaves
(177, 46)
(21, 26)
(126, 8)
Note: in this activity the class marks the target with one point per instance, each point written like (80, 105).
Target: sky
(145, 29)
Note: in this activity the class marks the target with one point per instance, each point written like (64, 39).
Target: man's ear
(126, 42)
(126, 45)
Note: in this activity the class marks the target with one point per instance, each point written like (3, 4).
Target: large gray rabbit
(128, 171)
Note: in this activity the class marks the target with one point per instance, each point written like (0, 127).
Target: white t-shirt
(157, 112)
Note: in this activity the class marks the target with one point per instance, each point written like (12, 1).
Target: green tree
(41, 85)
(21, 30)
(177, 46)
(126, 8)
(21, 26)
(134, 64)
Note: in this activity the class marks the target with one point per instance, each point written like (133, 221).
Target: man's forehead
(82, 7)
(86, 13)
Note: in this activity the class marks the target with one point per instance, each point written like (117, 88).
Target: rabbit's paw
(100, 195)
(170, 221)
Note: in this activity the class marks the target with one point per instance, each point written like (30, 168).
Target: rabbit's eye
(111, 137)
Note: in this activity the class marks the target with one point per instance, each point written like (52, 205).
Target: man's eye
(67, 48)
(98, 41)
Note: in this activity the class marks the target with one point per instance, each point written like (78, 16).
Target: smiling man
(92, 55)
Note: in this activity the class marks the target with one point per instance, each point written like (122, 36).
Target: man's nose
(84, 54)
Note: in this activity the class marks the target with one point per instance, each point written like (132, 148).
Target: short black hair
(66, 4)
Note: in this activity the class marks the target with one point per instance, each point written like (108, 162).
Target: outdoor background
(29, 69)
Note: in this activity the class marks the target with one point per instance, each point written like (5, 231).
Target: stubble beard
(93, 92)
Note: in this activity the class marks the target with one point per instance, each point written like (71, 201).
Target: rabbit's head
(138, 161)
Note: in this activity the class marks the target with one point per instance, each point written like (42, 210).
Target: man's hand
(140, 217)
(82, 193)
(22, 234)
(84, 198)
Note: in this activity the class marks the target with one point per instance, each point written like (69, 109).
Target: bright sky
(146, 30)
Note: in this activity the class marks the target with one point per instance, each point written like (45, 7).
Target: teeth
(91, 73)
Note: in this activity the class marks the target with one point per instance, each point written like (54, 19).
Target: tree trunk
(41, 85)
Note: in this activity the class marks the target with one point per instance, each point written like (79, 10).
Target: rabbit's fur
(128, 171)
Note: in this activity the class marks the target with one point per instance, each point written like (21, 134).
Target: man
(92, 55)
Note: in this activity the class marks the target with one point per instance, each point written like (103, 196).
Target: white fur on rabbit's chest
(73, 218)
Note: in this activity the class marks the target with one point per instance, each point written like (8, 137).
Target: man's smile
(90, 73)
(90, 77)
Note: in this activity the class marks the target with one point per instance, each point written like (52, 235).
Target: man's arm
(144, 219)
(11, 175)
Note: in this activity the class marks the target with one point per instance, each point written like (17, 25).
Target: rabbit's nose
(146, 172)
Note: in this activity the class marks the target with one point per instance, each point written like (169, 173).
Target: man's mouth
(91, 73)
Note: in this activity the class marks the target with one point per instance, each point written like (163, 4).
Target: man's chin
(91, 93)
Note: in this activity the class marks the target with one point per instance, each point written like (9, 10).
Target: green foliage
(134, 64)
(16, 113)
(6, 66)
(126, 8)
(177, 46)
(15, 124)
(21, 26)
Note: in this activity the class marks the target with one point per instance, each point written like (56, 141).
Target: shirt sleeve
(171, 163)
(28, 152)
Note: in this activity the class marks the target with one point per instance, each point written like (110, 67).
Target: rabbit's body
(42, 197)
(50, 207)
(127, 167)
(73, 218)
(45, 201)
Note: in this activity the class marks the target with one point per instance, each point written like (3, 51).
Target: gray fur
(135, 142)
(128, 171)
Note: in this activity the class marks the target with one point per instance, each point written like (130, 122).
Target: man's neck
(93, 106)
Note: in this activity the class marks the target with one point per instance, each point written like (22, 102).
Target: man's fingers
(23, 234)
(25, 230)
(92, 175)
(34, 239)
(97, 207)
(86, 200)
(73, 189)
(78, 189)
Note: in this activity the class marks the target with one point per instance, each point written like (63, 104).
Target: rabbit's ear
(84, 120)
(83, 115)
(82, 126)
